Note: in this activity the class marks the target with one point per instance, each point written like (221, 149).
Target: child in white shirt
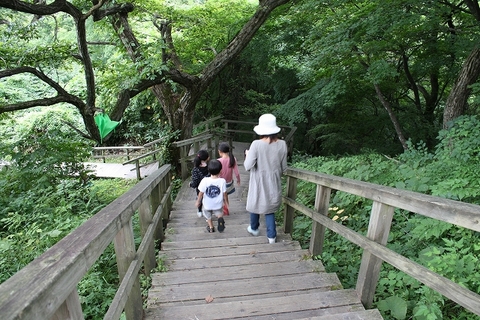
(212, 195)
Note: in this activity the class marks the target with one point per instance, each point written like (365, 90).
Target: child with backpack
(212, 195)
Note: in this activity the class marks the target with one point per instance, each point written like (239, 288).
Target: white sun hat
(267, 125)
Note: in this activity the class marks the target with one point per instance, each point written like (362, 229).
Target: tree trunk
(392, 116)
(457, 99)
(179, 105)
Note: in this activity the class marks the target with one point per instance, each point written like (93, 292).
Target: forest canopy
(350, 76)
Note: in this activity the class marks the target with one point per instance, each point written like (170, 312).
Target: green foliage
(395, 305)
(450, 171)
(46, 193)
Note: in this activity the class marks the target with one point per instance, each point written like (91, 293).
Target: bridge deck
(117, 170)
(234, 275)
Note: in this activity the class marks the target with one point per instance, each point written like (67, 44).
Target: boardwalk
(117, 170)
(233, 275)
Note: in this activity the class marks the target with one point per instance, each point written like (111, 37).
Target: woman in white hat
(266, 160)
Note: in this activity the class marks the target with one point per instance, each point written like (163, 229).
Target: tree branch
(40, 9)
(39, 74)
(33, 103)
(123, 8)
(63, 96)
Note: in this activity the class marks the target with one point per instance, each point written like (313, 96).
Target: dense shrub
(449, 171)
(45, 194)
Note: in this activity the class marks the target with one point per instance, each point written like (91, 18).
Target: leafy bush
(45, 194)
(450, 171)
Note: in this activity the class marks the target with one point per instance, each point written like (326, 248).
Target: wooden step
(317, 304)
(234, 275)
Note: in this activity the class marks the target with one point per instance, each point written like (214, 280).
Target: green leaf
(396, 305)
(54, 233)
(4, 245)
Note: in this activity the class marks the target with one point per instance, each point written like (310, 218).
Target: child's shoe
(210, 230)
(221, 224)
(272, 240)
(199, 214)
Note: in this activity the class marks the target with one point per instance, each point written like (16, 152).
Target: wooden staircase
(234, 275)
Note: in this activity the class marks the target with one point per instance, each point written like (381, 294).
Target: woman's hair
(202, 155)
(225, 148)
(271, 137)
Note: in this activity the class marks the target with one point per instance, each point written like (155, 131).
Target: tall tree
(409, 53)
(468, 75)
(177, 90)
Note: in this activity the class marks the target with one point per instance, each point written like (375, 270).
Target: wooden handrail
(208, 122)
(385, 199)
(46, 288)
(190, 147)
(210, 138)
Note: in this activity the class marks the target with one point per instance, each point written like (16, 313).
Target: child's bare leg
(210, 223)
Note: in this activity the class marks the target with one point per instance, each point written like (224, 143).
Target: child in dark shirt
(199, 171)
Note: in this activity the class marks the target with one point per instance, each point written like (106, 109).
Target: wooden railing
(190, 147)
(385, 200)
(115, 152)
(47, 287)
(212, 135)
(139, 154)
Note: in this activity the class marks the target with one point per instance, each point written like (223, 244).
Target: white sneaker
(253, 232)
(199, 214)
(272, 240)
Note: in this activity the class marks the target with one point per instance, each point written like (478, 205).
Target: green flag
(104, 124)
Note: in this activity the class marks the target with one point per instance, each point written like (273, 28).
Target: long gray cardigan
(266, 163)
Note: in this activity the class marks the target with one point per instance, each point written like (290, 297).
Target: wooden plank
(227, 242)
(37, 290)
(124, 243)
(70, 309)
(236, 272)
(459, 213)
(199, 233)
(318, 303)
(233, 251)
(373, 314)
(378, 231)
(322, 202)
(244, 287)
(117, 170)
(253, 258)
(453, 291)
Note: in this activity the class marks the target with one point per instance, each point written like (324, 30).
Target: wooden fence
(47, 287)
(213, 133)
(209, 134)
(385, 200)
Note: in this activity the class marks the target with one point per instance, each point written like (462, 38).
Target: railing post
(70, 309)
(125, 252)
(146, 217)
(137, 169)
(225, 132)
(168, 202)
(196, 147)
(289, 211)
(369, 273)
(322, 201)
(155, 199)
(183, 161)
